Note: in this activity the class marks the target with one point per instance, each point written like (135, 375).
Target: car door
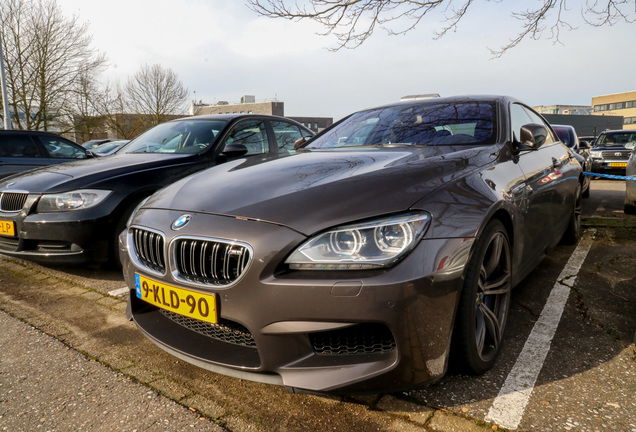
(546, 190)
(18, 152)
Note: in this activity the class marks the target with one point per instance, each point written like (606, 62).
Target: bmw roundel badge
(181, 222)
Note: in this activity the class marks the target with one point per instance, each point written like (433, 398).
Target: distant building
(564, 109)
(586, 125)
(619, 104)
(248, 105)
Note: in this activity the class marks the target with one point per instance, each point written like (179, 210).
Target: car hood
(317, 189)
(85, 173)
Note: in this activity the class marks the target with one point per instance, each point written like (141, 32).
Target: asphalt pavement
(69, 360)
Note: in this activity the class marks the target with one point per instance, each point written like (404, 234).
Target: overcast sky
(222, 50)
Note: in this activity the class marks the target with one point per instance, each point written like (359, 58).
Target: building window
(630, 120)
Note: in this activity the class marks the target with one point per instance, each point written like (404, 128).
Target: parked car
(91, 144)
(350, 265)
(630, 185)
(108, 148)
(24, 150)
(73, 213)
(567, 135)
(587, 140)
(609, 152)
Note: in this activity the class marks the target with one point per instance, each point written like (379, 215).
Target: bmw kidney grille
(196, 260)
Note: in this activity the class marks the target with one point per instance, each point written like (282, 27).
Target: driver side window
(252, 134)
(59, 149)
(521, 116)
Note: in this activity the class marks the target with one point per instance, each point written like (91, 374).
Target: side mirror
(234, 150)
(299, 142)
(584, 145)
(532, 136)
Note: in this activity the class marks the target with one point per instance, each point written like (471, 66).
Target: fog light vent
(359, 339)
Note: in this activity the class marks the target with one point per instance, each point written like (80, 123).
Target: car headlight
(373, 244)
(68, 201)
(596, 154)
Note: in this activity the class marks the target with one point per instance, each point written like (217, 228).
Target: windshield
(184, 136)
(615, 139)
(109, 146)
(461, 123)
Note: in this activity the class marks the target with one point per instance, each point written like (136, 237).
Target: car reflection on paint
(385, 248)
(567, 135)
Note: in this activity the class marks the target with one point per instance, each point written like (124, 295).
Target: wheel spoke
(480, 333)
(497, 286)
(495, 248)
(492, 325)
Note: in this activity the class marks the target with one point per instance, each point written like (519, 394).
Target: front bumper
(311, 331)
(604, 164)
(64, 237)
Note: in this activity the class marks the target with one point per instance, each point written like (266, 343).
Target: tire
(572, 233)
(586, 192)
(629, 209)
(484, 302)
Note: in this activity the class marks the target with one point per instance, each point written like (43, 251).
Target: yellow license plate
(7, 228)
(192, 304)
(618, 164)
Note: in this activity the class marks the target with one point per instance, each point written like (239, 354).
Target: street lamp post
(3, 81)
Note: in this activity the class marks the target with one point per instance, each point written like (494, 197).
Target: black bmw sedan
(74, 212)
(385, 248)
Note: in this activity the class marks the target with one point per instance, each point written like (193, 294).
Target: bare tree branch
(47, 58)
(352, 22)
(156, 92)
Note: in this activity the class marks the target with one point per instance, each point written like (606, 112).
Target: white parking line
(118, 292)
(508, 407)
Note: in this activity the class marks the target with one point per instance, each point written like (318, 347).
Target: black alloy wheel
(484, 303)
(572, 233)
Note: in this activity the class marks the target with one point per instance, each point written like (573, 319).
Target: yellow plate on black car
(192, 304)
(7, 228)
(617, 164)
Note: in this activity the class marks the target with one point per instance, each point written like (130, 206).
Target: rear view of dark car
(24, 150)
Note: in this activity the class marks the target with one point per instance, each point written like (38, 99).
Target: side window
(521, 116)
(286, 135)
(59, 149)
(252, 134)
(19, 146)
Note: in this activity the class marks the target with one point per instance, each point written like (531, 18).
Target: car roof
(607, 132)
(231, 117)
(30, 132)
(448, 99)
